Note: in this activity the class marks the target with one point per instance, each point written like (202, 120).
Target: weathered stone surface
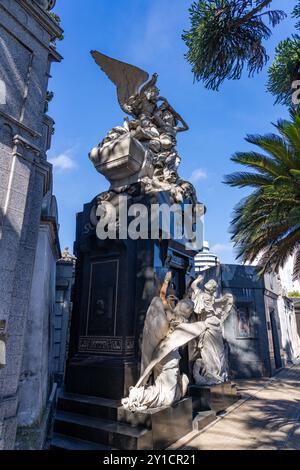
(25, 31)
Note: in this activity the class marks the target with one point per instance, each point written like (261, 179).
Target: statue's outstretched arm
(164, 288)
(184, 126)
(196, 282)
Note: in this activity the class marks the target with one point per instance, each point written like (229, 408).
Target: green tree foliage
(227, 35)
(57, 19)
(266, 224)
(286, 66)
(294, 294)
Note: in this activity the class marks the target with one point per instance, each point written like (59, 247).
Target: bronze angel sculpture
(154, 124)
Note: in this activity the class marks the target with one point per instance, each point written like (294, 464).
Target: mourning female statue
(211, 366)
(166, 329)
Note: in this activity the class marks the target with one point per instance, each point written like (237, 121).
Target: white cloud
(64, 161)
(198, 175)
(221, 248)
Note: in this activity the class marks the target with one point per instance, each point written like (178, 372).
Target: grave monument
(134, 307)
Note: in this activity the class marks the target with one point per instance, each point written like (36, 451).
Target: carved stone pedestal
(213, 397)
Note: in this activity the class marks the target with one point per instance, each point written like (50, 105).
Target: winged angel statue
(155, 124)
(168, 327)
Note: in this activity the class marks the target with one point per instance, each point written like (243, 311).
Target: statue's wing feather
(156, 328)
(182, 335)
(126, 77)
(224, 305)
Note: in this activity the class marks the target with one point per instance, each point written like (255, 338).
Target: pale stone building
(29, 244)
(205, 259)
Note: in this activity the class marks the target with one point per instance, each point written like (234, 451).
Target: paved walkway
(268, 420)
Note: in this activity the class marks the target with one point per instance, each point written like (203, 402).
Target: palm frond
(242, 180)
(266, 224)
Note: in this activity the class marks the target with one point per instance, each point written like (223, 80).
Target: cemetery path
(268, 420)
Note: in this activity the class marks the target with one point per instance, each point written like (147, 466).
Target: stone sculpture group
(153, 130)
(167, 328)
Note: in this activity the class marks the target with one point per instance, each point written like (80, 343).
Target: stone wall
(26, 33)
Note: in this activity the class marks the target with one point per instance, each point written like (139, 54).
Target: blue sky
(147, 33)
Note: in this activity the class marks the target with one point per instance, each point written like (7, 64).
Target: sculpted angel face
(152, 94)
(211, 287)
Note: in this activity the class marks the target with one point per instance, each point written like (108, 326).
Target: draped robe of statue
(211, 367)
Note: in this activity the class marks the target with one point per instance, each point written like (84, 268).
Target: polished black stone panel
(213, 397)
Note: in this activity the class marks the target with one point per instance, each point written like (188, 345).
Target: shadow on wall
(238, 367)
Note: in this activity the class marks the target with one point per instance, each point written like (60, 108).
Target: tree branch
(255, 10)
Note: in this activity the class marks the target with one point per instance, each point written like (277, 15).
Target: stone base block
(213, 397)
(167, 425)
(86, 376)
(203, 419)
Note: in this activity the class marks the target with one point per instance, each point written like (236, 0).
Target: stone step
(101, 408)
(103, 431)
(89, 406)
(203, 419)
(61, 442)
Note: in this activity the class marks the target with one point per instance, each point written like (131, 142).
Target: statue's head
(211, 286)
(184, 309)
(152, 94)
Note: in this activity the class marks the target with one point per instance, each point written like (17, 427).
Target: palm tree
(266, 224)
(226, 35)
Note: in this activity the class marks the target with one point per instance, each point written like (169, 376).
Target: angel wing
(156, 328)
(126, 77)
(223, 306)
(182, 335)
